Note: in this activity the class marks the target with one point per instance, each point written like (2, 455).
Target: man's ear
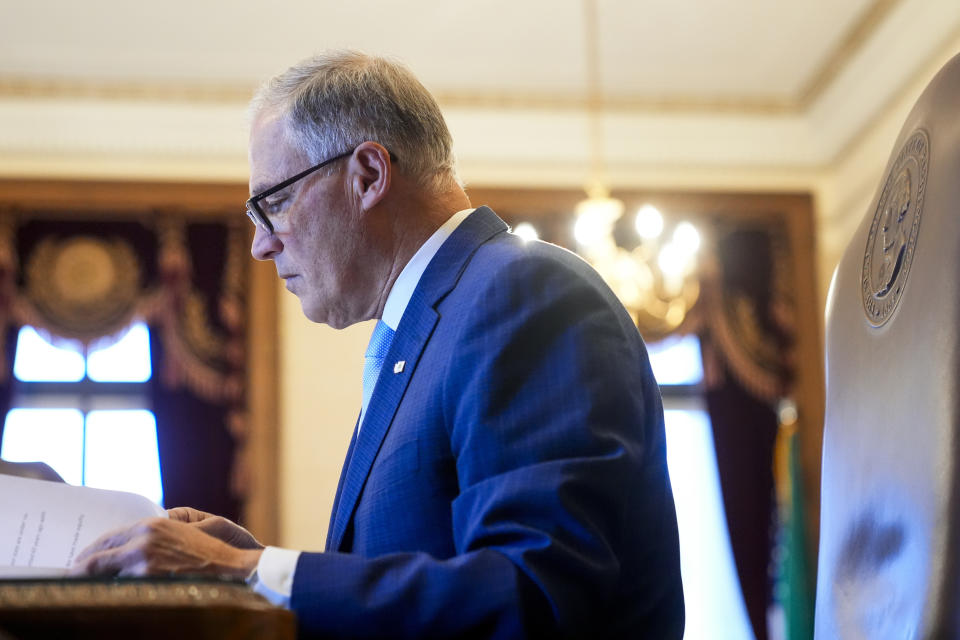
(370, 173)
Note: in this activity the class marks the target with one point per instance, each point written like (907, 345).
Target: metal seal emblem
(892, 240)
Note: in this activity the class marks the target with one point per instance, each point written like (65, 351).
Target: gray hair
(336, 100)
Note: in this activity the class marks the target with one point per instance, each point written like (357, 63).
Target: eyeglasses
(256, 214)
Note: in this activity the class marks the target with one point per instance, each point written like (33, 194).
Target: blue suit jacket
(510, 479)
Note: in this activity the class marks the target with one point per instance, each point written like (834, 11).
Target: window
(85, 412)
(711, 589)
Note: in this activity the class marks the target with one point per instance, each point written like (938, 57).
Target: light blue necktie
(373, 360)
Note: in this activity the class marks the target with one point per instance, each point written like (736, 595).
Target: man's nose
(265, 245)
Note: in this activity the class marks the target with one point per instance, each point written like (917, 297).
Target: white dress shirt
(273, 577)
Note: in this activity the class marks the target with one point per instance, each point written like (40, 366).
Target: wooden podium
(138, 608)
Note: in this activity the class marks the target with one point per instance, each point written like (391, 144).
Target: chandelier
(656, 280)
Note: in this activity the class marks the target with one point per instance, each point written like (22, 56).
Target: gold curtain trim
(88, 289)
(80, 288)
(740, 341)
(762, 382)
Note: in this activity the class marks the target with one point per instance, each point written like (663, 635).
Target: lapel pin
(398, 367)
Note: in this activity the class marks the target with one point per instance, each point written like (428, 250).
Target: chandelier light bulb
(656, 279)
(589, 230)
(672, 260)
(526, 231)
(595, 218)
(626, 267)
(649, 222)
(687, 238)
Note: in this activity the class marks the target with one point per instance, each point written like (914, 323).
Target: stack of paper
(44, 525)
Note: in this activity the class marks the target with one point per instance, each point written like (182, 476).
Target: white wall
(320, 380)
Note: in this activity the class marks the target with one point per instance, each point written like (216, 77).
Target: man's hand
(216, 526)
(178, 546)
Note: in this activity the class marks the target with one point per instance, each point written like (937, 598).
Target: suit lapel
(343, 475)
(416, 326)
(407, 345)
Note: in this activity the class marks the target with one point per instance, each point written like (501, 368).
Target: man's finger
(118, 537)
(126, 560)
(216, 526)
(106, 541)
(228, 531)
(188, 514)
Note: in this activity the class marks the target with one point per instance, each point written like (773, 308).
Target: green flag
(792, 589)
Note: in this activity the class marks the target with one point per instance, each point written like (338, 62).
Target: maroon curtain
(197, 450)
(196, 399)
(6, 374)
(89, 279)
(745, 337)
(744, 432)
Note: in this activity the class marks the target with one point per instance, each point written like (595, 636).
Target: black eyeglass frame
(256, 214)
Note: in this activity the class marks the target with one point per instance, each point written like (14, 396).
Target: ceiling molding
(52, 88)
(899, 102)
(68, 89)
(858, 34)
(75, 128)
(616, 104)
(32, 88)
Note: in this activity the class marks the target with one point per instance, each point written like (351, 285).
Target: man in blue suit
(507, 476)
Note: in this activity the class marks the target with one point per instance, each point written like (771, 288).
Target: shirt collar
(409, 278)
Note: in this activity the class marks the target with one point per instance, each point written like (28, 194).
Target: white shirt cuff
(273, 578)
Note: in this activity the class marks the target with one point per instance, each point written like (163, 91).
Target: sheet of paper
(29, 573)
(43, 525)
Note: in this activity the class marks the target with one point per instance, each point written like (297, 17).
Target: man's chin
(312, 313)
(321, 315)
(318, 309)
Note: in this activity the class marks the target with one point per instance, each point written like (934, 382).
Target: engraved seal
(892, 240)
(83, 287)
